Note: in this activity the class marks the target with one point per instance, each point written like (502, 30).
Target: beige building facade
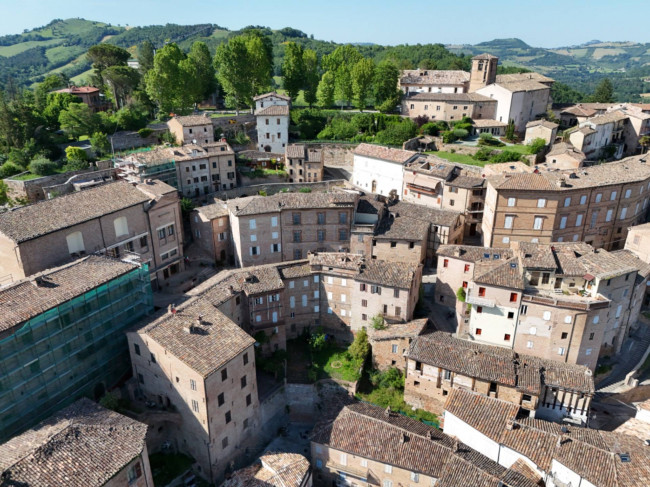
(449, 107)
(192, 129)
(304, 164)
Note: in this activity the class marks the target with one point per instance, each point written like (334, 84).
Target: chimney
(402, 438)
(171, 309)
(455, 447)
(187, 329)
(429, 435)
(223, 139)
(199, 320)
(387, 412)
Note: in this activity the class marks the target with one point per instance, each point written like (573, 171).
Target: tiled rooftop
(522, 85)
(272, 470)
(434, 216)
(495, 364)
(301, 151)
(338, 260)
(254, 205)
(471, 253)
(199, 335)
(402, 228)
(508, 78)
(272, 93)
(543, 123)
(390, 438)
(83, 445)
(31, 221)
(215, 210)
(391, 274)
(507, 273)
(399, 330)
(434, 77)
(273, 110)
(384, 153)
(193, 120)
(452, 97)
(36, 294)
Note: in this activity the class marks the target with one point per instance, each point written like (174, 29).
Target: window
(243, 382)
(541, 203)
(612, 196)
(364, 303)
(252, 224)
(343, 218)
(481, 291)
(134, 473)
(192, 384)
(628, 193)
(513, 297)
(224, 443)
(564, 335)
(623, 213)
(583, 199)
(599, 197)
(246, 358)
(343, 298)
(121, 226)
(398, 311)
(608, 217)
(479, 309)
(567, 201)
(588, 351)
(249, 400)
(579, 220)
(224, 374)
(394, 348)
(415, 477)
(388, 468)
(274, 221)
(546, 315)
(478, 331)
(297, 236)
(508, 221)
(195, 405)
(388, 483)
(221, 399)
(512, 201)
(560, 351)
(538, 223)
(524, 309)
(506, 337)
(253, 238)
(445, 263)
(296, 218)
(137, 348)
(75, 243)
(255, 250)
(343, 234)
(596, 320)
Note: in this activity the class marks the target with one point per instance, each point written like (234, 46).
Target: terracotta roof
(215, 210)
(580, 111)
(434, 77)
(156, 188)
(433, 166)
(392, 439)
(528, 181)
(508, 274)
(609, 117)
(606, 265)
(451, 97)
(369, 204)
(256, 155)
(630, 259)
(485, 55)
(543, 123)
(31, 221)
(80, 90)
(204, 346)
(273, 110)
(272, 93)
(399, 330)
(272, 469)
(467, 182)
(392, 274)
(526, 85)
(384, 153)
(402, 228)
(36, 294)
(508, 78)
(83, 445)
(472, 253)
(298, 268)
(495, 364)
(301, 151)
(339, 260)
(565, 148)
(427, 214)
(255, 205)
(594, 455)
(488, 122)
(193, 120)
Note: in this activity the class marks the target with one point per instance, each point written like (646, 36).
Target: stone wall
(132, 140)
(273, 188)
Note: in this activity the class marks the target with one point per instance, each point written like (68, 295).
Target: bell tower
(484, 71)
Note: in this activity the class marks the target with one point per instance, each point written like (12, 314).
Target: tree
(604, 92)
(78, 119)
(340, 63)
(165, 82)
(234, 71)
(310, 67)
(293, 69)
(103, 56)
(644, 142)
(360, 347)
(377, 322)
(326, 89)
(122, 81)
(56, 103)
(536, 146)
(145, 56)
(510, 130)
(77, 158)
(44, 88)
(100, 143)
(385, 85)
(199, 67)
(362, 76)
(42, 166)
(260, 57)
(343, 85)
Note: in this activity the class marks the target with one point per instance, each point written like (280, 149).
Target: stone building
(141, 222)
(304, 164)
(390, 344)
(61, 336)
(273, 469)
(211, 231)
(562, 455)
(286, 226)
(595, 205)
(438, 363)
(433, 81)
(272, 114)
(563, 301)
(483, 72)
(638, 241)
(380, 170)
(449, 107)
(192, 129)
(563, 156)
(411, 453)
(199, 361)
(601, 137)
(541, 129)
(83, 445)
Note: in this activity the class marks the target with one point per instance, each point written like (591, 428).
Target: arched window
(121, 226)
(75, 243)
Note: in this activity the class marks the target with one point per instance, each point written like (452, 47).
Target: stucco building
(433, 81)
(380, 170)
(304, 163)
(272, 114)
(449, 107)
(211, 231)
(192, 129)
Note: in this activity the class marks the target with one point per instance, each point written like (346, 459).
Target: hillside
(581, 67)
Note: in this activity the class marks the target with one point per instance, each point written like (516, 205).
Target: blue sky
(558, 23)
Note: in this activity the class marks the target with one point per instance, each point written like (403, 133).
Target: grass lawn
(166, 467)
(224, 115)
(334, 362)
(520, 149)
(460, 158)
(29, 175)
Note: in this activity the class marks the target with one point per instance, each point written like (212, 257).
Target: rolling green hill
(581, 67)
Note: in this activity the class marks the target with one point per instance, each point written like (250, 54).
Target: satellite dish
(193, 141)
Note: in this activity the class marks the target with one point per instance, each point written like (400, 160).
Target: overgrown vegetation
(330, 360)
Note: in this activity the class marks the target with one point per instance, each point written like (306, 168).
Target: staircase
(631, 353)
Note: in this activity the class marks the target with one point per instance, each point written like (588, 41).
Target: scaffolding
(76, 349)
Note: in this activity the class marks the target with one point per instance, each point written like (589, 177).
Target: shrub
(397, 133)
(483, 154)
(317, 340)
(109, 401)
(420, 120)
(485, 136)
(448, 137)
(130, 118)
(505, 156)
(100, 144)
(75, 154)
(43, 166)
(9, 169)
(461, 295)
(378, 323)
(430, 129)
(464, 126)
(360, 347)
(460, 133)
(537, 146)
(304, 190)
(145, 132)
(168, 137)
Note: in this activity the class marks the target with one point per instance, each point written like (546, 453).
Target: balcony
(362, 474)
(479, 301)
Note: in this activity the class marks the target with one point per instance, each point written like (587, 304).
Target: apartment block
(411, 453)
(193, 169)
(304, 164)
(199, 361)
(211, 231)
(192, 129)
(560, 301)
(438, 363)
(287, 226)
(62, 336)
(561, 454)
(141, 222)
(85, 444)
(272, 114)
(595, 205)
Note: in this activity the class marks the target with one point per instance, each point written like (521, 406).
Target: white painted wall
(455, 426)
(389, 175)
(276, 142)
(503, 98)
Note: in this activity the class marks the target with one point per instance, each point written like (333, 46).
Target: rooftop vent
(625, 457)
(171, 309)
